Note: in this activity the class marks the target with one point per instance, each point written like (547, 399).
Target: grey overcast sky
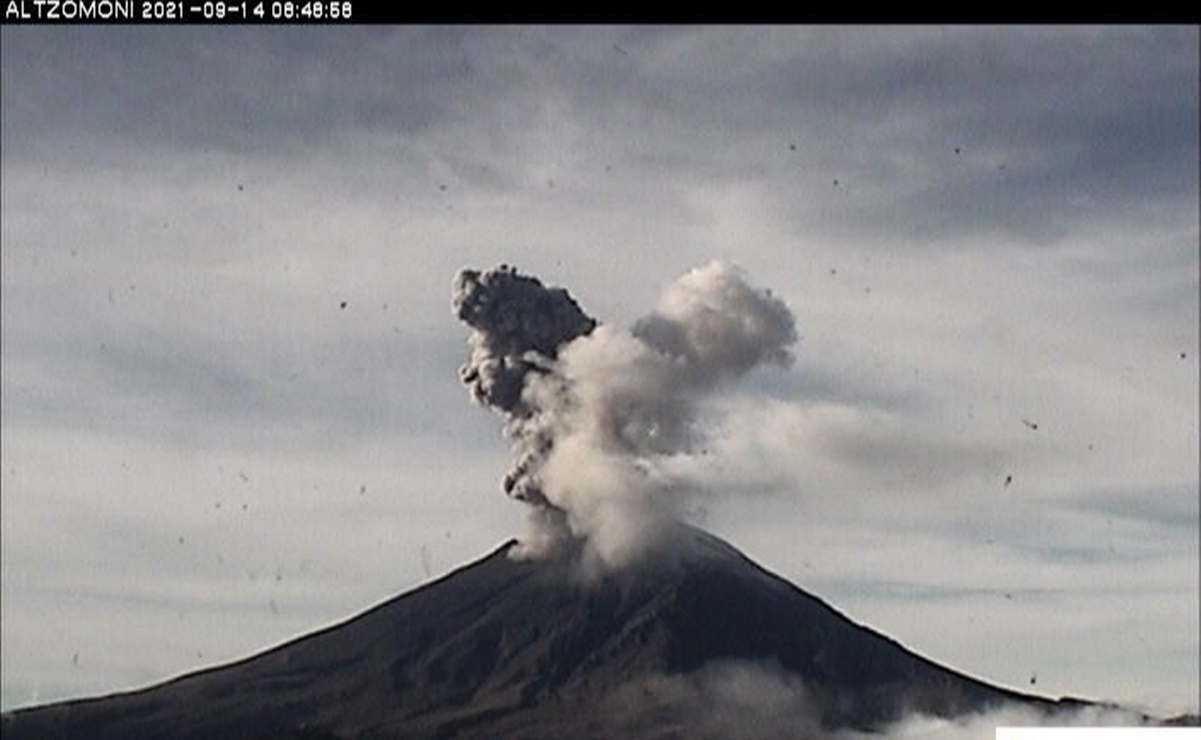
(231, 413)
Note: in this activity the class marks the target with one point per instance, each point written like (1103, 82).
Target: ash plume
(517, 326)
(605, 419)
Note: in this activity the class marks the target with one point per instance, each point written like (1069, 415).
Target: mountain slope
(502, 648)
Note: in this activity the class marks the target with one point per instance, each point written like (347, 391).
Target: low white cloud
(756, 701)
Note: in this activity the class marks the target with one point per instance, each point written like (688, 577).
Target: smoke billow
(604, 419)
(727, 699)
(518, 326)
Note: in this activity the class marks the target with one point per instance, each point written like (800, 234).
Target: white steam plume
(604, 419)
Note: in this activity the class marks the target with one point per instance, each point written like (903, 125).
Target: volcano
(506, 648)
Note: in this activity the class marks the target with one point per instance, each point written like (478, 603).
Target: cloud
(119, 78)
(1061, 139)
(982, 726)
(756, 701)
(726, 699)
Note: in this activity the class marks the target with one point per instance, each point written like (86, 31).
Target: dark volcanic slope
(515, 649)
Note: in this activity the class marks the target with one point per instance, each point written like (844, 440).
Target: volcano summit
(697, 643)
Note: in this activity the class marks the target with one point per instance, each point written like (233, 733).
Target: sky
(231, 411)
